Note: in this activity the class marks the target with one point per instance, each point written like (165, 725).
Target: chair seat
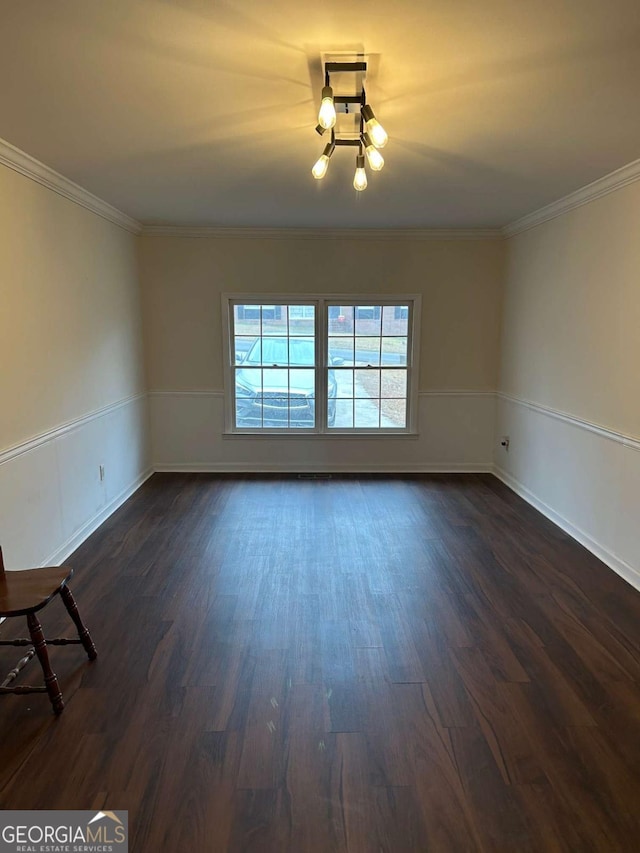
(23, 592)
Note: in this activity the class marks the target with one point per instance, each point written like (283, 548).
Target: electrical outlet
(101, 473)
(504, 442)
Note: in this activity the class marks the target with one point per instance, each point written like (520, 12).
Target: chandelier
(372, 135)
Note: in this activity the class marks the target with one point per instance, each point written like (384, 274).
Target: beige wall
(71, 357)
(571, 331)
(70, 325)
(183, 278)
(569, 374)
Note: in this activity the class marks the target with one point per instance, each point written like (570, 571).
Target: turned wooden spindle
(50, 679)
(72, 608)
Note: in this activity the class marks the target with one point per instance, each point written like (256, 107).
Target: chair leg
(83, 633)
(40, 645)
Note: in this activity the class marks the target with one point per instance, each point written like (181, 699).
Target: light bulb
(322, 163)
(327, 114)
(360, 180)
(360, 177)
(320, 167)
(376, 131)
(375, 158)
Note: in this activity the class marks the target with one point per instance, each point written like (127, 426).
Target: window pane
(275, 411)
(344, 415)
(367, 351)
(302, 320)
(344, 382)
(368, 319)
(394, 413)
(395, 320)
(246, 319)
(299, 312)
(254, 354)
(394, 383)
(302, 351)
(367, 383)
(302, 383)
(275, 351)
(340, 350)
(246, 416)
(274, 319)
(340, 319)
(248, 381)
(275, 381)
(366, 414)
(241, 348)
(394, 350)
(248, 389)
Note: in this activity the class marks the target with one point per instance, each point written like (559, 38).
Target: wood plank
(364, 663)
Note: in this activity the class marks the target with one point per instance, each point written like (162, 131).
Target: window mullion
(322, 345)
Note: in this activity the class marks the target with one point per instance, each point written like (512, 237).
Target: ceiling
(202, 112)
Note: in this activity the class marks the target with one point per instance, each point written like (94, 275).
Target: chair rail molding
(56, 432)
(631, 441)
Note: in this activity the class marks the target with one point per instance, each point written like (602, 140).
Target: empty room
(319, 426)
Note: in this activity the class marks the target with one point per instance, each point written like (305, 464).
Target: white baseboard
(620, 567)
(283, 468)
(61, 554)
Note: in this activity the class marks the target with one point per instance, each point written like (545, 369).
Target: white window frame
(321, 303)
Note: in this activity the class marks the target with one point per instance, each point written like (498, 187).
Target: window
(301, 312)
(321, 365)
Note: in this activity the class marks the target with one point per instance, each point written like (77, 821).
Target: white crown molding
(630, 441)
(50, 435)
(28, 166)
(323, 233)
(602, 186)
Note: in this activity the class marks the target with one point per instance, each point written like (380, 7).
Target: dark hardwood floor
(353, 664)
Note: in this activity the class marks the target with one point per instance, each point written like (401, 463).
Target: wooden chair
(23, 594)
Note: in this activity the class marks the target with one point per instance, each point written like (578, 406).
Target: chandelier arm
(345, 66)
(347, 99)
